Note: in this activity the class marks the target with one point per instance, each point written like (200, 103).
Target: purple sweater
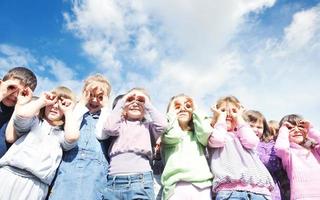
(273, 163)
(133, 137)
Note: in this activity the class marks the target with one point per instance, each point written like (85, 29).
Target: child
(186, 174)
(267, 154)
(130, 174)
(238, 171)
(15, 81)
(29, 166)
(298, 147)
(274, 129)
(83, 170)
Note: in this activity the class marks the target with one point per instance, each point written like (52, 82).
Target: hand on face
(65, 105)
(182, 107)
(134, 107)
(9, 90)
(48, 98)
(297, 133)
(94, 96)
(24, 96)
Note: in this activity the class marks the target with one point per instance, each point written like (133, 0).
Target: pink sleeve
(314, 134)
(217, 138)
(282, 145)
(113, 122)
(247, 137)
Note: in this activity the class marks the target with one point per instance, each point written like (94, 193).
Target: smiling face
(257, 127)
(297, 134)
(134, 105)
(183, 107)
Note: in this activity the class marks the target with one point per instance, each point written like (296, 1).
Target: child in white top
(29, 166)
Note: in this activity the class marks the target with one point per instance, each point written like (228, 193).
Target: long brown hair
(255, 116)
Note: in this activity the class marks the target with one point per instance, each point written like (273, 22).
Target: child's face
(231, 110)
(14, 88)
(97, 97)
(53, 113)
(296, 133)
(134, 105)
(183, 107)
(257, 127)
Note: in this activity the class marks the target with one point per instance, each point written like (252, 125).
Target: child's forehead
(182, 99)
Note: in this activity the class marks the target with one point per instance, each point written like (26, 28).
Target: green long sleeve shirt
(184, 154)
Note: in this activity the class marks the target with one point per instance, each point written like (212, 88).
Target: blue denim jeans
(240, 195)
(129, 187)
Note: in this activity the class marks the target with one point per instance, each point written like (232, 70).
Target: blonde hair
(63, 92)
(98, 78)
(274, 128)
(227, 99)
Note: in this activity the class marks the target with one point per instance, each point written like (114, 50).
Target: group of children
(57, 147)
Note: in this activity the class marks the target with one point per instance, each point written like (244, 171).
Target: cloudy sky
(265, 52)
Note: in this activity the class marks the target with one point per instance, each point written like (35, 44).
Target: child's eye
(100, 98)
(177, 106)
(234, 110)
(188, 105)
(141, 99)
(223, 110)
(130, 99)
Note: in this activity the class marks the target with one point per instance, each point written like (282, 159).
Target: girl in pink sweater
(298, 147)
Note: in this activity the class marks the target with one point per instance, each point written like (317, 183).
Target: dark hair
(115, 101)
(254, 116)
(25, 75)
(293, 119)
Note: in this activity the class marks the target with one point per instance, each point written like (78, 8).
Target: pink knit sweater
(302, 165)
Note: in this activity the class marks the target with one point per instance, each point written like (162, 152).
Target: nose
(55, 105)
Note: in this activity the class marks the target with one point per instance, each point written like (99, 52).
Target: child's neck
(184, 126)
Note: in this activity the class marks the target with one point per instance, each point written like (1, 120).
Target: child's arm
(24, 97)
(246, 135)
(113, 122)
(158, 121)
(217, 138)
(202, 129)
(282, 145)
(173, 134)
(71, 127)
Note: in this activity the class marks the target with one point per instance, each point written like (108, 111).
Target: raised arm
(282, 145)
(173, 134)
(158, 122)
(24, 96)
(71, 127)
(113, 122)
(202, 128)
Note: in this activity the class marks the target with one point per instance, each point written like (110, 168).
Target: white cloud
(171, 47)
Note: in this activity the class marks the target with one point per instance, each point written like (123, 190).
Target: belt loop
(114, 182)
(129, 180)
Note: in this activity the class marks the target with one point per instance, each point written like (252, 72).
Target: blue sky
(265, 52)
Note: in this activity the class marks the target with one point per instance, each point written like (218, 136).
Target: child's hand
(305, 124)
(48, 98)
(66, 105)
(8, 87)
(237, 115)
(221, 114)
(24, 96)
